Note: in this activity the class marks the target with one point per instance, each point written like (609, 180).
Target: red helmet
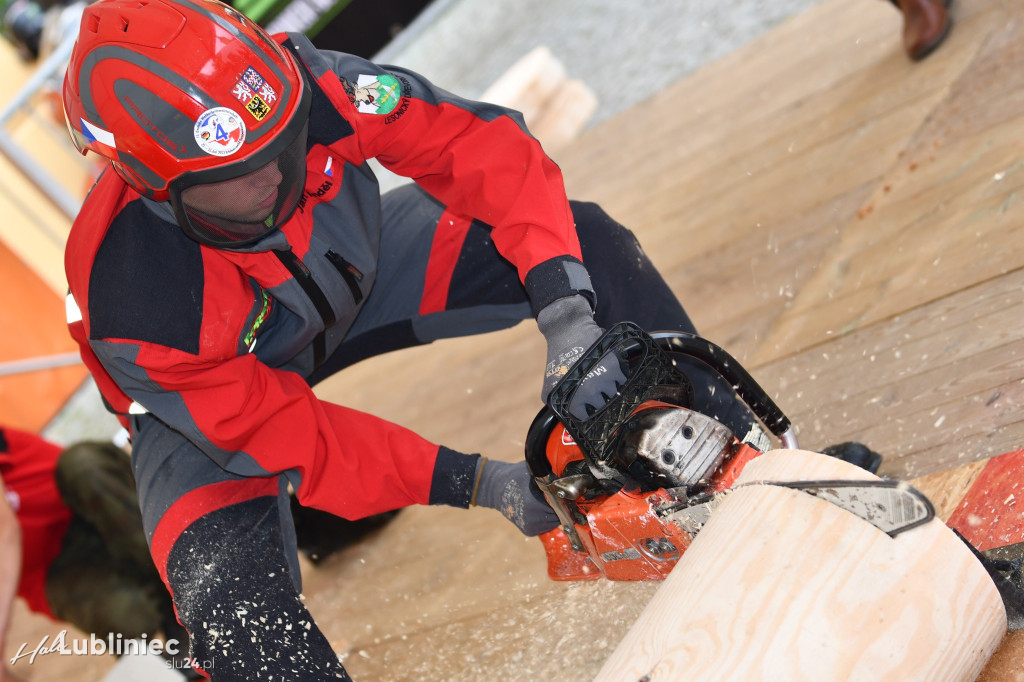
(182, 94)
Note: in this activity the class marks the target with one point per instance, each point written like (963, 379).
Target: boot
(925, 25)
(855, 453)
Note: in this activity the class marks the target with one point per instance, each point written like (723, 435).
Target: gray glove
(568, 327)
(509, 488)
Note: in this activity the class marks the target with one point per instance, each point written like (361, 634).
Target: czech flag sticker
(100, 139)
(219, 131)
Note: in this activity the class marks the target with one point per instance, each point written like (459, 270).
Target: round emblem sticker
(219, 131)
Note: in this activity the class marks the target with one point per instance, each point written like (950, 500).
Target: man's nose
(267, 175)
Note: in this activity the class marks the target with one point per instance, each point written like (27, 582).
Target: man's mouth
(269, 201)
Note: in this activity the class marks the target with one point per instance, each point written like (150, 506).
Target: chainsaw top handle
(647, 367)
(759, 402)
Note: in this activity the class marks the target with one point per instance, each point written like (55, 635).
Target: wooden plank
(727, 110)
(937, 387)
(946, 216)
(690, 119)
(566, 114)
(412, 596)
(555, 107)
(948, 331)
(940, 249)
(709, 213)
(879, 118)
(735, 300)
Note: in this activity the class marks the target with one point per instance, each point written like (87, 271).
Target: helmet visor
(240, 210)
(238, 204)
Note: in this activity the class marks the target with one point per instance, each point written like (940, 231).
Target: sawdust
(446, 594)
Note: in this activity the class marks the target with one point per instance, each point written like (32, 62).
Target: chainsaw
(634, 480)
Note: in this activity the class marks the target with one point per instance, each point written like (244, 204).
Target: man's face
(242, 210)
(246, 199)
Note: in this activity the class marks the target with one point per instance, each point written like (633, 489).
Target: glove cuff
(454, 479)
(559, 318)
(558, 278)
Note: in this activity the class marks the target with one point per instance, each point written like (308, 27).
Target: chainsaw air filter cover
(662, 445)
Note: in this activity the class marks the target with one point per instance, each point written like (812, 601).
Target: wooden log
(781, 585)
(529, 84)
(566, 114)
(555, 107)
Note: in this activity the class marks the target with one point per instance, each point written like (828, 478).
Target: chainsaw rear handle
(650, 366)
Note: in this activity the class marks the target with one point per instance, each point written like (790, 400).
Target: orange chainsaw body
(623, 537)
(634, 478)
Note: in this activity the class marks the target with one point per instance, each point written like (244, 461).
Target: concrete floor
(625, 52)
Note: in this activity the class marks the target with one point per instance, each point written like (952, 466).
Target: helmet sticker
(219, 131)
(253, 78)
(242, 92)
(97, 136)
(258, 108)
(255, 93)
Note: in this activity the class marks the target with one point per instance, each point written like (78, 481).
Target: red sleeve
(254, 420)
(476, 158)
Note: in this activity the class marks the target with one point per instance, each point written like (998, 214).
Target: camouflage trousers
(104, 580)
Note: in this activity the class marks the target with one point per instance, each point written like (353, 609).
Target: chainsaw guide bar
(893, 507)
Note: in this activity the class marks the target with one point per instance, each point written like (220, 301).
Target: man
(71, 542)
(926, 24)
(238, 252)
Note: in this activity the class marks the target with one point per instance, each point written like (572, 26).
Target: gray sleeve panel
(169, 407)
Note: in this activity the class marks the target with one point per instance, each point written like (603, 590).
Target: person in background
(72, 546)
(926, 23)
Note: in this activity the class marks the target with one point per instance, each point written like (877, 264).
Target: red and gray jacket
(219, 344)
